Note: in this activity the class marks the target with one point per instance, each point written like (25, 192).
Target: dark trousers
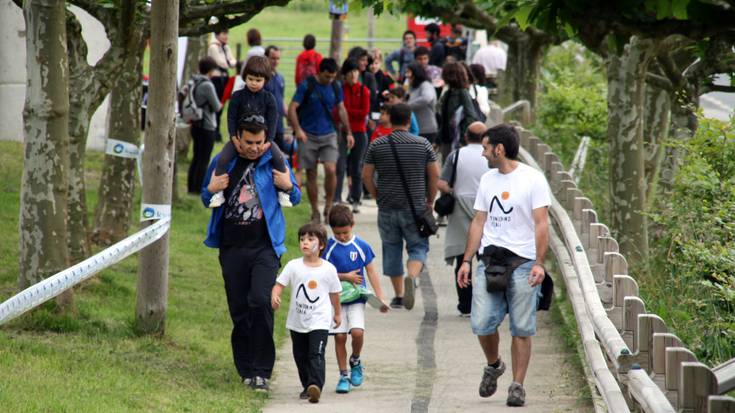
(464, 295)
(229, 153)
(249, 278)
(220, 83)
(351, 163)
(308, 353)
(203, 144)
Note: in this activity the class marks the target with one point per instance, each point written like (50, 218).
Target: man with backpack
(199, 107)
(307, 62)
(311, 114)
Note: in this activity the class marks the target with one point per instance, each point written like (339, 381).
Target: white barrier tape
(139, 163)
(122, 149)
(150, 212)
(49, 288)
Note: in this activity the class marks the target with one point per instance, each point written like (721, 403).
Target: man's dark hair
(411, 32)
(455, 76)
(258, 66)
(400, 114)
(349, 65)
(309, 42)
(478, 72)
(432, 28)
(421, 51)
(419, 74)
(206, 64)
(341, 216)
(315, 230)
(508, 136)
(358, 52)
(218, 31)
(252, 122)
(328, 65)
(269, 49)
(253, 37)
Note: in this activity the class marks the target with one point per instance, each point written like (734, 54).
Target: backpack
(476, 104)
(188, 108)
(310, 86)
(308, 69)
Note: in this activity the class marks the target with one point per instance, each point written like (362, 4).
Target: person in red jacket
(357, 103)
(307, 63)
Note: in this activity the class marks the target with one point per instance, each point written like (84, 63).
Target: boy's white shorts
(353, 316)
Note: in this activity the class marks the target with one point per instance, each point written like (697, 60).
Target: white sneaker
(284, 199)
(217, 200)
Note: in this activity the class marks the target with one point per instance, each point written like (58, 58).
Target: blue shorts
(395, 226)
(519, 301)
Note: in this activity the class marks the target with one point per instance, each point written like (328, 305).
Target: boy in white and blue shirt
(353, 258)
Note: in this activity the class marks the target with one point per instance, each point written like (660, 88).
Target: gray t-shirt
(205, 97)
(422, 101)
(414, 154)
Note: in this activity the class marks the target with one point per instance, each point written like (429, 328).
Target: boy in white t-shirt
(352, 257)
(315, 289)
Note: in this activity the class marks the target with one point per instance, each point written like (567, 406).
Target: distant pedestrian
(434, 73)
(438, 51)
(510, 231)
(307, 62)
(383, 127)
(456, 45)
(477, 89)
(353, 259)
(398, 209)
(461, 178)
(456, 108)
(276, 85)
(314, 307)
(422, 101)
(404, 56)
(367, 78)
(220, 51)
(398, 95)
(255, 42)
(383, 80)
(493, 58)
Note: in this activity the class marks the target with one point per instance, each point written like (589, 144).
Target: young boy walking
(315, 289)
(352, 257)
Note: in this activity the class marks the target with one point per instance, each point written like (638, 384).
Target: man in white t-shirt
(511, 226)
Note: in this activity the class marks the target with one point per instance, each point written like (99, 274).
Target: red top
(357, 103)
(307, 64)
(228, 89)
(380, 131)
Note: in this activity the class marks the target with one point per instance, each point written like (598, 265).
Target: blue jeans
(395, 226)
(519, 301)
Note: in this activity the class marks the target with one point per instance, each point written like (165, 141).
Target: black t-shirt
(244, 221)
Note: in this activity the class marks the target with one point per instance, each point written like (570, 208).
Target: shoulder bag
(444, 205)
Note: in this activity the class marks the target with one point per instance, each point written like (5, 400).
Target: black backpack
(310, 87)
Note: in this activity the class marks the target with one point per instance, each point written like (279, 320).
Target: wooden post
(335, 43)
(152, 292)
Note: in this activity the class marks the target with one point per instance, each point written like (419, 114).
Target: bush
(692, 281)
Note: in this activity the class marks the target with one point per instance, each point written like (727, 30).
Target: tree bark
(625, 100)
(656, 133)
(335, 43)
(44, 188)
(117, 186)
(152, 291)
(526, 52)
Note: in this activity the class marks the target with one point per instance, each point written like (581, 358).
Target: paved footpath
(427, 359)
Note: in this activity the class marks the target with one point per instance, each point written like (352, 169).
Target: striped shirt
(414, 153)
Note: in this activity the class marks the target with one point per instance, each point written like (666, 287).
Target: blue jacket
(274, 219)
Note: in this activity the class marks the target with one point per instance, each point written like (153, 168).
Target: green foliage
(692, 281)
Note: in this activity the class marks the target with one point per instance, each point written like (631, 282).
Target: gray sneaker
(489, 383)
(409, 292)
(516, 395)
(260, 384)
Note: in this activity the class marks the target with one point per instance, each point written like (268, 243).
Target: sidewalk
(427, 359)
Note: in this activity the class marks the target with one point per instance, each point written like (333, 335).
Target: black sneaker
(304, 395)
(260, 384)
(516, 395)
(409, 292)
(489, 383)
(396, 302)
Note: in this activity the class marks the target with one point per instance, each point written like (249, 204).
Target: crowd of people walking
(386, 126)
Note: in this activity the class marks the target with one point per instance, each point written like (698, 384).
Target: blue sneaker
(356, 375)
(343, 385)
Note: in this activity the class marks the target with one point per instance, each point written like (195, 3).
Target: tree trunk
(625, 102)
(525, 55)
(117, 186)
(44, 185)
(152, 291)
(335, 44)
(656, 132)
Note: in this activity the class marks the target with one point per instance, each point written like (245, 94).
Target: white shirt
(492, 57)
(310, 307)
(481, 95)
(509, 200)
(472, 166)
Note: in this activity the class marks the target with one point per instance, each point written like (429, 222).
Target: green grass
(95, 362)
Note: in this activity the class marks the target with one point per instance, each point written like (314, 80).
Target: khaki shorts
(318, 148)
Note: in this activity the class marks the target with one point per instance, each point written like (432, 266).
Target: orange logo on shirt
(312, 284)
(505, 195)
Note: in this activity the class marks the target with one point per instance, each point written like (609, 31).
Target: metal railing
(650, 366)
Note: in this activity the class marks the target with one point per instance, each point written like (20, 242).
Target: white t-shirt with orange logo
(509, 200)
(310, 307)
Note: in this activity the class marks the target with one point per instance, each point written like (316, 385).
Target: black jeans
(464, 295)
(351, 163)
(249, 278)
(203, 144)
(278, 159)
(308, 353)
